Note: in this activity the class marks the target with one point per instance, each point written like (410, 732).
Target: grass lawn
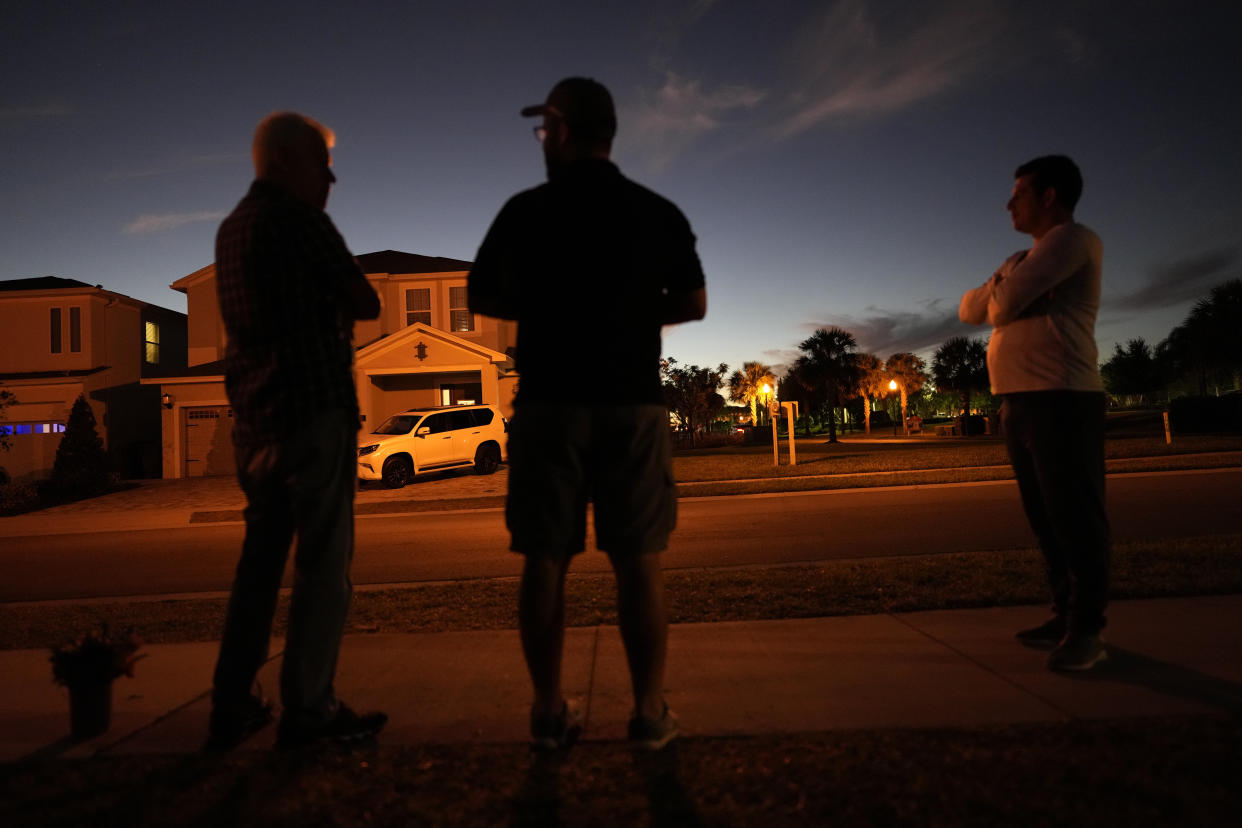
(1123, 773)
(1194, 566)
(854, 455)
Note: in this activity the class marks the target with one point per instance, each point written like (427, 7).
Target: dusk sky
(842, 163)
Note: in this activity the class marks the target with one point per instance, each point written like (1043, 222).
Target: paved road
(725, 531)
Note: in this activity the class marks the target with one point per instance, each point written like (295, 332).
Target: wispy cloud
(854, 63)
(13, 115)
(176, 164)
(665, 121)
(884, 332)
(160, 223)
(1182, 280)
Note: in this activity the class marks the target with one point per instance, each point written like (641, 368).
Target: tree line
(1202, 355)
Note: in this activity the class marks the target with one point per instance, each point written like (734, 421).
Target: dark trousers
(1056, 445)
(303, 486)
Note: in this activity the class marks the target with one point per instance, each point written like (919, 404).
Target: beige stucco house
(426, 348)
(61, 338)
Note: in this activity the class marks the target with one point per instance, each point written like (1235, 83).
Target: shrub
(1198, 415)
(16, 498)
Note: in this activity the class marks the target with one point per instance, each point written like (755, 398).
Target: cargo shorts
(619, 457)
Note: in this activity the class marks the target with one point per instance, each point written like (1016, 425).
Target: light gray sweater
(1042, 304)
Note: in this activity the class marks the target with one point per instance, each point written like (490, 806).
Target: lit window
(56, 320)
(21, 428)
(151, 343)
(418, 306)
(462, 319)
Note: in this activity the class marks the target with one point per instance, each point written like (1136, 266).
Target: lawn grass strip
(1153, 771)
(1193, 566)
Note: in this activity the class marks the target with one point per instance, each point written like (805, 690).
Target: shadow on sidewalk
(1128, 667)
(538, 803)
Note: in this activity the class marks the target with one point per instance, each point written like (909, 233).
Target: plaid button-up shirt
(288, 289)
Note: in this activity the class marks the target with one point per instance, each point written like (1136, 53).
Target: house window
(31, 428)
(151, 343)
(75, 330)
(58, 330)
(461, 317)
(418, 306)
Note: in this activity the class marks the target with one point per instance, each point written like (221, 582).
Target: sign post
(791, 417)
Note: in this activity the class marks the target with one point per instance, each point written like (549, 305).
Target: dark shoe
(228, 728)
(556, 731)
(1079, 651)
(346, 726)
(1046, 636)
(653, 734)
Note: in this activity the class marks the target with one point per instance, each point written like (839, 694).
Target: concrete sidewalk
(958, 668)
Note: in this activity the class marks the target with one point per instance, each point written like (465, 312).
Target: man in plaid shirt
(289, 292)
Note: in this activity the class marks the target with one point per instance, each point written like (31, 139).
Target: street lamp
(892, 386)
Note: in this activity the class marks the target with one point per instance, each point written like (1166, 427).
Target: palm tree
(1131, 373)
(871, 384)
(909, 372)
(690, 392)
(960, 365)
(796, 386)
(1206, 346)
(828, 360)
(746, 386)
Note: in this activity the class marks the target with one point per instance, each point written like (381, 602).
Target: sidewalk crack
(1065, 714)
(590, 689)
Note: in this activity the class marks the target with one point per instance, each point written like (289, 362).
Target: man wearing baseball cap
(591, 265)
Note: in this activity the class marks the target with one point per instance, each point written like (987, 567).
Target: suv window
(461, 419)
(397, 424)
(482, 416)
(438, 422)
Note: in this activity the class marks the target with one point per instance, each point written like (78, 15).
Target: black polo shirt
(582, 263)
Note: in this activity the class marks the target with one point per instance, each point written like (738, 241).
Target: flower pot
(90, 709)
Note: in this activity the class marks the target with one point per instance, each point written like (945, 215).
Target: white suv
(424, 440)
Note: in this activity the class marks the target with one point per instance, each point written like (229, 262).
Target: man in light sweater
(1042, 357)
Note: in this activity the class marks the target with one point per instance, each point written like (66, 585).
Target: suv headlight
(367, 450)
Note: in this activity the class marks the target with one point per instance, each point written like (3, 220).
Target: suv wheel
(397, 472)
(487, 459)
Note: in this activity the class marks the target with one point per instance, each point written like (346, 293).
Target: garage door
(207, 440)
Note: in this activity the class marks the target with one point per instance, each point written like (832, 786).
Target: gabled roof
(43, 283)
(395, 261)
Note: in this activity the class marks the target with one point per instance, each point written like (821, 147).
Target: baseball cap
(584, 103)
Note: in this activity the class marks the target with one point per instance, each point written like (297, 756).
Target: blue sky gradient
(842, 162)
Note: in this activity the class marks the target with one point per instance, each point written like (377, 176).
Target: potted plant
(88, 666)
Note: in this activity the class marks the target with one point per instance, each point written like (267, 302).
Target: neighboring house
(426, 348)
(60, 338)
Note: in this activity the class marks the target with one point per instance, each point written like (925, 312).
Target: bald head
(291, 151)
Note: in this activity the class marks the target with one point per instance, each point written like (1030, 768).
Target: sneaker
(1077, 652)
(346, 726)
(653, 734)
(556, 731)
(228, 728)
(1046, 636)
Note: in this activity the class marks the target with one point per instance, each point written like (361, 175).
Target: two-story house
(61, 338)
(425, 349)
